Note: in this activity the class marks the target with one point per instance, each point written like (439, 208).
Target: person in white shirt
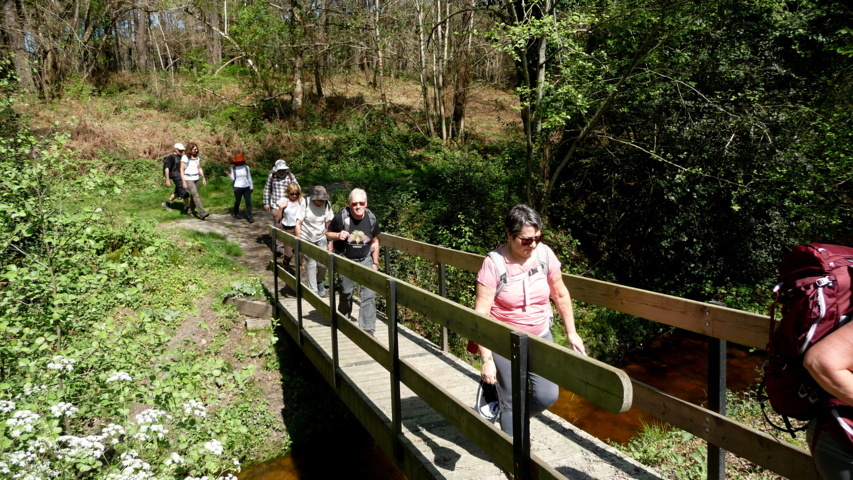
(243, 186)
(191, 172)
(287, 211)
(312, 225)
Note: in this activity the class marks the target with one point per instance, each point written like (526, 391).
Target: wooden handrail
(743, 328)
(739, 327)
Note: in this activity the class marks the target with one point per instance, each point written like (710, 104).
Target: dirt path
(253, 239)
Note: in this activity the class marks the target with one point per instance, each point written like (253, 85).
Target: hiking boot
(233, 214)
(250, 220)
(321, 291)
(207, 214)
(165, 206)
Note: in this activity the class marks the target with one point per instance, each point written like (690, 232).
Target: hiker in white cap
(276, 186)
(172, 172)
(275, 189)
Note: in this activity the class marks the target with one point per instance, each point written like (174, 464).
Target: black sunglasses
(529, 241)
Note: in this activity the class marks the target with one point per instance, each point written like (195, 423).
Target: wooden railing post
(716, 402)
(333, 292)
(387, 255)
(274, 273)
(394, 349)
(298, 290)
(520, 407)
(716, 399)
(442, 291)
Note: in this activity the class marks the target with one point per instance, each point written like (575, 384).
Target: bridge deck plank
(443, 450)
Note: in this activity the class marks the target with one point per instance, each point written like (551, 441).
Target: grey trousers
(541, 394)
(314, 270)
(195, 199)
(833, 460)
(367, 310)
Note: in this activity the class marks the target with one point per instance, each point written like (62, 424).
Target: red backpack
(814, 293)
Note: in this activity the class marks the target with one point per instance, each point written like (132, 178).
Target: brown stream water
(676, 364)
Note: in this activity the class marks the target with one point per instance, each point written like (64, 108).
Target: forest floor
(253, 239)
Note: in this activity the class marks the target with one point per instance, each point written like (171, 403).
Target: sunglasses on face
(295, 194)
(358, 204)
(529, 241)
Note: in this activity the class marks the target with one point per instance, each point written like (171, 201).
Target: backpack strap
(500, 265)
(346, 218)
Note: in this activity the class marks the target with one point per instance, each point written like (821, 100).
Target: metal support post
(298, 291)
(716, 402)
(333, 292)
(520, 407)
(442, 291)
(394, 349)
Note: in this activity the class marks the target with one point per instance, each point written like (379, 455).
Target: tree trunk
(15, 37)
(441, 48)
(422, 70)
(214, 41)
(380, 63)
(142, 59)
(463, 75)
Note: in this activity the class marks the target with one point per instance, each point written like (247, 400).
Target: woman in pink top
(523, 303)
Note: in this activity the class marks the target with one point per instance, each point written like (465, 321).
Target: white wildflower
(214, 446)
(237, 464)
(196, 408)
(31, 390)
(120, 377)
(151, 416)
(7, 406)
(22, 421)
(175, 459)
(63, 409)
(61, 363)
(113, 433)
(72, 447)
(227, 477)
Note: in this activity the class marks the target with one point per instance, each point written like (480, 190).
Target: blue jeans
(541, 394)
(367, 310)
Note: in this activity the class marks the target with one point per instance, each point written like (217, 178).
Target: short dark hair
(520, 216)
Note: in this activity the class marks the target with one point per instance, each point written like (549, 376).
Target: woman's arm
(279, 211)
(830, 361)
(563, 301)
(201, 172)
(483, 305)
(183, 179)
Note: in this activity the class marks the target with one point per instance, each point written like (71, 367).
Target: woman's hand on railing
(576, 342)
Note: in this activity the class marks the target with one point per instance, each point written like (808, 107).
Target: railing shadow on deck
(599, 383)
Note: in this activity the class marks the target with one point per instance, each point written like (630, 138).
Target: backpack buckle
(823, 282)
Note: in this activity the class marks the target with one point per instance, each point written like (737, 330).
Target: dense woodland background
(684, 145)
(680, 147)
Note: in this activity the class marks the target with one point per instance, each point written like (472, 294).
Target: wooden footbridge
(416, 400)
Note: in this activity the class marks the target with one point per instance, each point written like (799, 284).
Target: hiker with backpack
(830, 433)
(172, 172)
(312, 226)
(354, 233)
(515, 285)
(808, 374)
(191, 172)
(277, 182)
(243, 186)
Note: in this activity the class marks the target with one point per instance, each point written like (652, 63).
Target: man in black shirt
(354, 234)
(172, 172)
